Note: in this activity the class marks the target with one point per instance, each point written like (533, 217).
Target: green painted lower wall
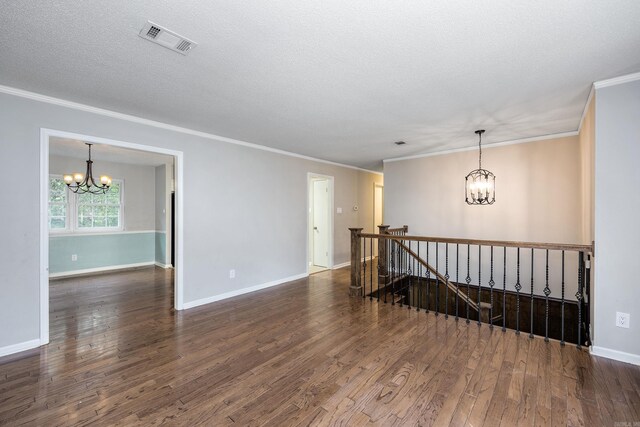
(161, 247)
(100, 250)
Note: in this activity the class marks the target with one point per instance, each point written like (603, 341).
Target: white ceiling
(105, 153)
(338, 80)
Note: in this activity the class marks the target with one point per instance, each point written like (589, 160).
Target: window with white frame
(58, 204)
(85, 212)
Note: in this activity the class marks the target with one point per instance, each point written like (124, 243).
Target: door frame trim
(45, 135)
(330, 179)
(375, 186)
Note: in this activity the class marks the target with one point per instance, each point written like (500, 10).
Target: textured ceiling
(337, 80)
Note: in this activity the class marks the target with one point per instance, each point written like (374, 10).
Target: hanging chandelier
(480, 184)
(79, 183)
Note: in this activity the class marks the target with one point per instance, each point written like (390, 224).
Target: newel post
(382, 254)
(355, 289)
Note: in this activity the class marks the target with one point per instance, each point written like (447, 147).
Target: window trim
(72, 218)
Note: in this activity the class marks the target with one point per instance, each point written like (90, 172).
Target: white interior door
(321, 223)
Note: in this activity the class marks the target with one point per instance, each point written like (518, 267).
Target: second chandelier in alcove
(480, 184)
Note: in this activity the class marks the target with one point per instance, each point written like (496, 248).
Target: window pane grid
(100, 210)
(57, 204)
(89, 211)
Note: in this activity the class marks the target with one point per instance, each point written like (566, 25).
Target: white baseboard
(344, 264)
(226, 295)
(348, 263)
(17, 348)
(99, 269)
(615, 355)
(161, 265)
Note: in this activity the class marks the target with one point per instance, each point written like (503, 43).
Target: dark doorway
(173, 229)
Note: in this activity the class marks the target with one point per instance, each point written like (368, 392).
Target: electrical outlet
(622, 320)
(74, 257)
(232, 274)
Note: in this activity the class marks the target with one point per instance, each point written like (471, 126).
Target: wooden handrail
(388, 273)
(443, 279)
(404, 228)
(507, 243)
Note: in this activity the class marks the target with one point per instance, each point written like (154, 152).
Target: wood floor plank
(302, 353)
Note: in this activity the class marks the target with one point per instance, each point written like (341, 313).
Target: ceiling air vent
(167, 38)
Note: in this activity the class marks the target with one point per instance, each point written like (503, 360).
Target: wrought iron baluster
(468, 280)
(531, 330)
(389, 269)
(419, 281)
(562, 302)
(406, 254)
(579, 296)
(491, 284)
(437, 283)
(403, 268)
(479, 284)
(518, 287)
(407, 272)
(384, 242)
(412, 282)
(428, 272)
(547, 291)
(457, 278)
(504, 289)
(401, 264)
(446, 285)
(364, 266)
(396, 261)
(403, 271)
(371, 278)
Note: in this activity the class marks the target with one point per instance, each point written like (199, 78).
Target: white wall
(537, 193)
(617, 229)
(244, 208)
(161, 193)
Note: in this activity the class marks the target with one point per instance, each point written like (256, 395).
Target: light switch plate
(339, 210)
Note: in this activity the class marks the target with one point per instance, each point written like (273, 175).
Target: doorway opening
(378, 206)
(320, 223)
(134, 226)
(378, 212)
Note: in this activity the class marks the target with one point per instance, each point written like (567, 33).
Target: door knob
(315, 228)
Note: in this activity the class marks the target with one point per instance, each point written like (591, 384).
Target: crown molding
(586, 106)
(494, 145)
(617, 80)
(135, 119)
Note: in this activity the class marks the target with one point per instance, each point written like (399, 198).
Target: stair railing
(525, 286)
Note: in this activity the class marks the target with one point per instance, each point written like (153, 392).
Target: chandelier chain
(479, 150)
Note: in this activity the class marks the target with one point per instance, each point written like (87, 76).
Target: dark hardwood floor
(302, 353)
